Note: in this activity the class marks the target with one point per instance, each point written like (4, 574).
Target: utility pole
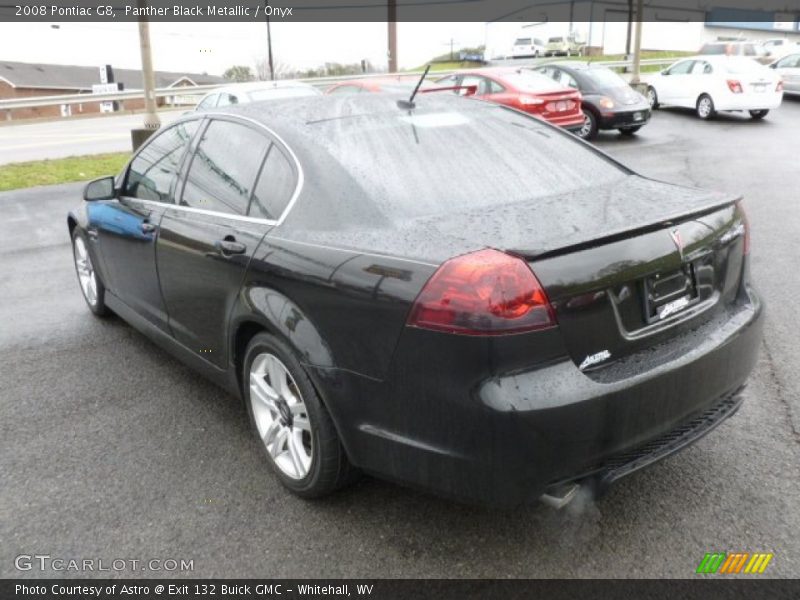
(392, 22)
(151, 120)
(269, 45)
(637, 48)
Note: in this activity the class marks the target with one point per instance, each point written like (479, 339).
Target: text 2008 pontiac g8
(445, 293)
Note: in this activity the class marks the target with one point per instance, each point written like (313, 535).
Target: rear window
(555, 40)
(523, 42)
(431, 163)
(744, 65)
(278, 93)
(529, 81)
(713, 49)
(605, 77)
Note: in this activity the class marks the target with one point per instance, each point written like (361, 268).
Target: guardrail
(38, 101)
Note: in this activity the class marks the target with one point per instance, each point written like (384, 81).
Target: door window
(789, 62)
(275, 186)
(227, 100)
(682, 68)
(481, 85)
(208, 103)
(346, 89)
(224, 168)
(155, 169)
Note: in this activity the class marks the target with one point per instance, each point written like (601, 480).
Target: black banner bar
(379, 589)
(722, 11)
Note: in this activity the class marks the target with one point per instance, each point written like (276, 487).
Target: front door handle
(227, 247)
(147, 227)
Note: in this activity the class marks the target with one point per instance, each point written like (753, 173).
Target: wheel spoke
(277, 375)
(271, 432)
(296, 456)
(261, 391)
(280, 442)
(302, 423)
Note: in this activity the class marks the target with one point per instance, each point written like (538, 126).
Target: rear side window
(275, 186)
(227, 100)
(224, 168)
(682, 68)
(155, 169)
(208, 102)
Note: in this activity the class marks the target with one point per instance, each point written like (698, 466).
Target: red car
(374, 84)
(524, 90)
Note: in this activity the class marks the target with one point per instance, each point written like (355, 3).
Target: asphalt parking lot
(111, 449)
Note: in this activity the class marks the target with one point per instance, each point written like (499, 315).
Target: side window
(792, 61)
(682, 68)
(208, 103)
(548, 72)
(495, 88)
(448, 81)
(567, 80)
(701, 68)
(155, 168)
(227, 99)
(481, 85)
(224, 168)
(275, 186)
(748, 50)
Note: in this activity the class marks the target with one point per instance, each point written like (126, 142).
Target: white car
(525, 47)
(256, 91)
(709, 84)
(788, 68)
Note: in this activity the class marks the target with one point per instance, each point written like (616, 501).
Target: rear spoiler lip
(543, 254)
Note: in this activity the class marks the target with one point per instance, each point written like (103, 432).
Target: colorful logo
(733, 563)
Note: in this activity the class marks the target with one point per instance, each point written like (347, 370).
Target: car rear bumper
(506, 440)
(749, 101)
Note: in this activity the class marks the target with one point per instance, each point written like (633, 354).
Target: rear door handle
(230, 247)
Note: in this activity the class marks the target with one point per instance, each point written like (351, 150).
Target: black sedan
(450, 294)
(608, 101)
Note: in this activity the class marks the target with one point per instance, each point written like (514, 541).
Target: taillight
(779, 87)
(746, 224)
(530, 101)
(734, 86)
(487, 292)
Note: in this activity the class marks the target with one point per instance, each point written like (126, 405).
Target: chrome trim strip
(274, 222)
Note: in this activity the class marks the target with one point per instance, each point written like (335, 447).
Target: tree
(238, 73)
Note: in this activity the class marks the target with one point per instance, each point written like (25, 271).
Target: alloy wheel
(85, 269)
(651, 97)
(586, 129)
(704, 107)
(281, 417)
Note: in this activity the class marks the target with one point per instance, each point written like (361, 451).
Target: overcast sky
(213, 47)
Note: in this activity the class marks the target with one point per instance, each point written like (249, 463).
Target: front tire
(588, 130)
(705, 107)
(294, 428)
(652, 97)
(94, 292)
(758, 114)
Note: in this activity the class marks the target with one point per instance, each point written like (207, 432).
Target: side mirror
(99, 189)
(665, 72)
(773, 66)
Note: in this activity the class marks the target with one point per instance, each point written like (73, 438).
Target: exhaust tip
(558, 497)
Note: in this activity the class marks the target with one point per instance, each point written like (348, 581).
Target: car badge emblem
(677, 240)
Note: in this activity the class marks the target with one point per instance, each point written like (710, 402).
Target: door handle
(226, 247)
(147, 227)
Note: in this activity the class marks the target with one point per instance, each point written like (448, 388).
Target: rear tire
(758, 114)
(652, 97)
(94, 292)
(705, 107)
(295, 430)
(629, 130)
